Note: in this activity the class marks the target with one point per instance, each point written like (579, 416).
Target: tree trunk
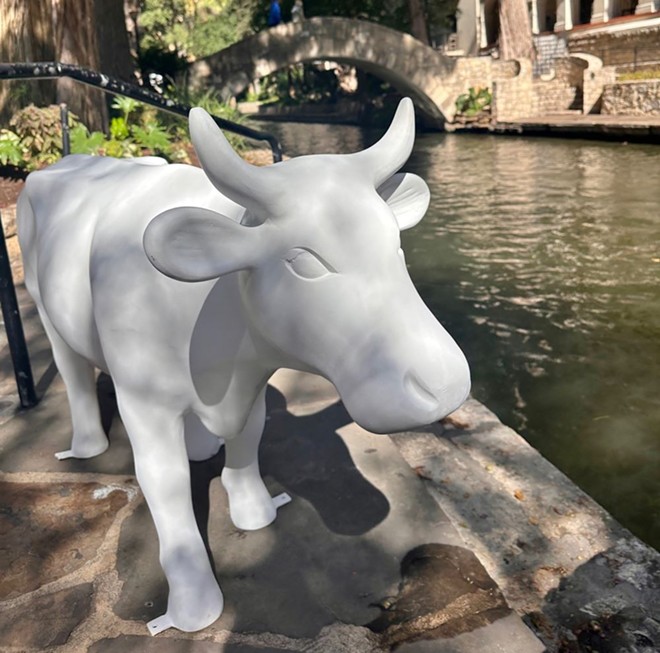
(112, 38)
(25, 35)
(418, 26)
(515, 30)
(92, 34)
(75, 44)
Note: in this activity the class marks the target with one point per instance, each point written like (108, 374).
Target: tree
(515, 30)
(418, 25)
(194, 28)
(89, 33)
(25, 35)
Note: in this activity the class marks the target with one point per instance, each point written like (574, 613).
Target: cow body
(190, 288)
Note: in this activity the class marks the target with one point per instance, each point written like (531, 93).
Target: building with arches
(620, 32)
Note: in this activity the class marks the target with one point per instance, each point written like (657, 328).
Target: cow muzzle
(387, 401)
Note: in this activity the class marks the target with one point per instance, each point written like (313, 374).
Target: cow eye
(306, 264)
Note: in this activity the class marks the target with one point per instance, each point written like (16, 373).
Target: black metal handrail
(53, 69)
(14, 328)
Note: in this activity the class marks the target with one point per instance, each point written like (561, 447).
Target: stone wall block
(632, 98)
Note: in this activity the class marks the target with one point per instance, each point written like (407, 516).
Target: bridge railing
(49, 70)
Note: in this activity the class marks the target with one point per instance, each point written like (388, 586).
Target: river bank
(634, 129)
(572, 124)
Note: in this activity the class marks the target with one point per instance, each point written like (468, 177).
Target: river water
(542, 258)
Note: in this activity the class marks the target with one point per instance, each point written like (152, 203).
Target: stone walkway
(441, 540)
(643, 129)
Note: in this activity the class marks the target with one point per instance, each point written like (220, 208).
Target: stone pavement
(432, 541)
(362, 559)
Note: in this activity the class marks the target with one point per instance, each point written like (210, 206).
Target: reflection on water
(542, 258)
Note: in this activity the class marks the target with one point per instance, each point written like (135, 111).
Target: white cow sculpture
(191, 287)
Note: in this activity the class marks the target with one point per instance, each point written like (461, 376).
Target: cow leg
(162, 470)
(250, 505)
(79, 377)
(201, 444)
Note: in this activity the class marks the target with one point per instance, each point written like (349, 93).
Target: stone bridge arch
(411, 67)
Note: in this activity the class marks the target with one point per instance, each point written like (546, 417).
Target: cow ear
(408, 196)
(194, 244)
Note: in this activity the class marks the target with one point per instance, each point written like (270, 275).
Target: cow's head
(323, 276)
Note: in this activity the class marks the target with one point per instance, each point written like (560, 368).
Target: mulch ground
(11, 184)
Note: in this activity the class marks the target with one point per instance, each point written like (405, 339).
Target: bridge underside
(408, 65)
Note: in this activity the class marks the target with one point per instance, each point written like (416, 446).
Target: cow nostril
(413, 385)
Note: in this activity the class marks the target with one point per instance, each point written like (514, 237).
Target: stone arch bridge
(431, 79)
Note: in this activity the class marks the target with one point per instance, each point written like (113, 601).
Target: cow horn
(386, 156)
(242, 182)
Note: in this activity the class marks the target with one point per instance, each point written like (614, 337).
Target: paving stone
(29, 440)
(47, 621)
(331, 555)
(508, 635)
(49, 530)
(444, 591)
(128, 643)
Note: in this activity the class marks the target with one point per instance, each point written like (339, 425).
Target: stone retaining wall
(560, 91)
(638, 98)
(526, 96)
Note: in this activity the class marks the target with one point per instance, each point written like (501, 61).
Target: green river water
(542, 258)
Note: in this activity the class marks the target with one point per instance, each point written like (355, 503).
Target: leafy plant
(11, 150)
(119, 129)
(82, 142)
(211, 102)
(40, 132)
(152, 137)
(475, 101)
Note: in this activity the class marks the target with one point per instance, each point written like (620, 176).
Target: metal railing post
(15, 335)
(66, 139)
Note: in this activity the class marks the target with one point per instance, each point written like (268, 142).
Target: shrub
(474, 101)
(39, 133)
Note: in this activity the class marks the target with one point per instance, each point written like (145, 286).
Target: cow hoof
(195, 615)
(250, 504)
(252, 515)
(83, 451)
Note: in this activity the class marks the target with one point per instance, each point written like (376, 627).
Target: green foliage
(119, 128)
(193, 28)
(37, 137)
(632, 76)
(474, 101)
(11, 151)
(137, 131)
(82, 142)
(152, 137)
(39, 130)
(211, 102)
